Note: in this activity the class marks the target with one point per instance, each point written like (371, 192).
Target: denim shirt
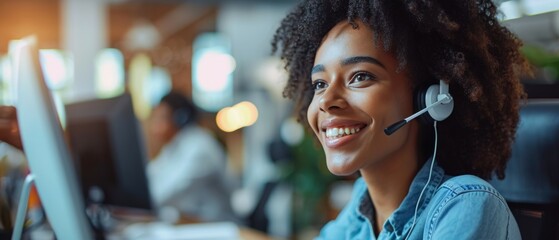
(460, 207)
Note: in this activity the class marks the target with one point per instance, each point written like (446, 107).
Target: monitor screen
(45, 147)
(109, 152)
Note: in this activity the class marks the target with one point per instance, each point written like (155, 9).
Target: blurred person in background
(189, 173)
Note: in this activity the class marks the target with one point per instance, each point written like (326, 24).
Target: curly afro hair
(459, 41)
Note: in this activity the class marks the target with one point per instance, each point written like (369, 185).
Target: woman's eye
(318, 85)
(361, 77)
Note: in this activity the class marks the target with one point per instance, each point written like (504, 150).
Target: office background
(218, 53)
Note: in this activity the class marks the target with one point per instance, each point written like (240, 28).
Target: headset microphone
(438, 103)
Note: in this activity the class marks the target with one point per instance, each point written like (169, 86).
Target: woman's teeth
(340, 132)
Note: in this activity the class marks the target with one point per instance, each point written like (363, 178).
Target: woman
(357, 67)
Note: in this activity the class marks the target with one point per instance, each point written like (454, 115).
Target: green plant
(311, 181)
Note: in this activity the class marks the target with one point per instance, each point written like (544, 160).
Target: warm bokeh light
(241, 115)
(222, 120)
(139, 71)
(248, 113)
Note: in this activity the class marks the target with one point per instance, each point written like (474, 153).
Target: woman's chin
(341, 166)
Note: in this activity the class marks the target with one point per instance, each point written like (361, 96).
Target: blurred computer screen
(108, 149)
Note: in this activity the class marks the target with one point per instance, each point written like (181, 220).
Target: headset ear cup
(426, 96)
(441, 111)
(420, 103)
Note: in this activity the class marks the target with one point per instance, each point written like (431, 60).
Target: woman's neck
(388, 183)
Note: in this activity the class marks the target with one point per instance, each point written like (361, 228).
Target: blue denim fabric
(461, 207)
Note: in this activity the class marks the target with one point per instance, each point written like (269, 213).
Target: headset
(184, 111)
(435, 100)
(182, 116)
(438, 103)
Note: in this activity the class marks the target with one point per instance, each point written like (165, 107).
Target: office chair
(531, 184)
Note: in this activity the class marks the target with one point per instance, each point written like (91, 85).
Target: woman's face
(161, 126)
(357, 93)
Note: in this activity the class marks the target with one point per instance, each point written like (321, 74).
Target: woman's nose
(332, 99)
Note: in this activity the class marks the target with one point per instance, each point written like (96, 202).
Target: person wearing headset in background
(188, 174)
(356, 67)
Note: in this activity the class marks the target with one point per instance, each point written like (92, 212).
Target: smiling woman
(358, 88)
(356, 67)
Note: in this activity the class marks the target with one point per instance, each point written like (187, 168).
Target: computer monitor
(109, 152)
(45, 148)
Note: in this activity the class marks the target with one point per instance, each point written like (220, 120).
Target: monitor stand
(22, 210)
(22, 206)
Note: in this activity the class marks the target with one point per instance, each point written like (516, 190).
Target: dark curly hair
(184, 111)
(459, 41)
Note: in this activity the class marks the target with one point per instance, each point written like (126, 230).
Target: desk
(119, 227)
(145, 224)
(220, 230)
(249, 234)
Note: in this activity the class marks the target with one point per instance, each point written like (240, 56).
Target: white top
(189, 174)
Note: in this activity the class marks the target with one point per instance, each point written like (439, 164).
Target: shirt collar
(400, 221)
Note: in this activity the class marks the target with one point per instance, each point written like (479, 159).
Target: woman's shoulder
(462, 184)
(467, 195)
(468, 200)
(468, 188)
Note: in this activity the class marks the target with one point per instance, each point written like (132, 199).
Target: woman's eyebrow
(317, 68)
(348, 61)
(360, 59)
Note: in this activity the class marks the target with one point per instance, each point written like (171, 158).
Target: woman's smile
(337, 132)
